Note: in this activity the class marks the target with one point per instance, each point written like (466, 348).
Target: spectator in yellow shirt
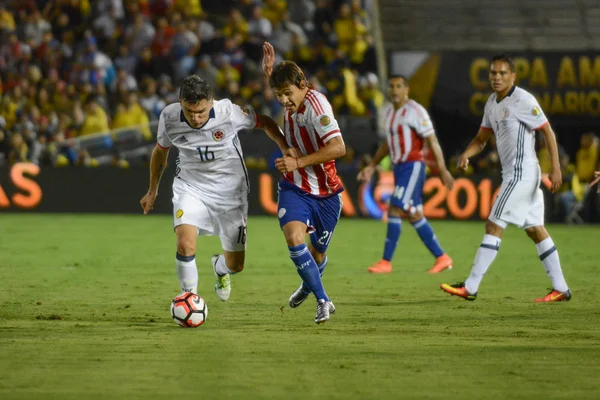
(96, 120)
(587, 157)
(132, 115)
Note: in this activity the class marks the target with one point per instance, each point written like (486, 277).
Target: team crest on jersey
(300, 119)
(179, 213)
(324, 120)
(536, 111)
(218, 135)
(505, 112)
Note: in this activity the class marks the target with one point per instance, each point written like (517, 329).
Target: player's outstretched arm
(366, 173)
(158, 163)
(435, 147)
(272, 130)
(475, 147)
(555, 175)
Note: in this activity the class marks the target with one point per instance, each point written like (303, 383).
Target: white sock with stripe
(483, 259)
(549, 258)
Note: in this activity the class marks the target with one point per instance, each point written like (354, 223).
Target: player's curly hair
(194, 89)
(287, 73)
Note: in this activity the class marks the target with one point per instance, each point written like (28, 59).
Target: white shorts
(520, 203)
(211, 217)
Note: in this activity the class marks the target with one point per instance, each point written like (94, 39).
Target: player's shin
(321, 267)
(308, 270)
(428, 237)
(394, 229)
(483, 259)
(187, 273)
(549, 258)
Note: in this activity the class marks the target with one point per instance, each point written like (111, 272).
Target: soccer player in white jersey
(309, 191)
(210, 190)
(408, 127)
(513, 115)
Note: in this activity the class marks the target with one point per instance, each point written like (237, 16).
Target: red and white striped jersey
(309, 129)
(406, 128)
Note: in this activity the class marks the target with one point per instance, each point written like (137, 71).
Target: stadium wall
(27, 188)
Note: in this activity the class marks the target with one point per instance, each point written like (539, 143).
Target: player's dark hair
(287, 73)
(506, 59)
(399, 76)
(194, 89)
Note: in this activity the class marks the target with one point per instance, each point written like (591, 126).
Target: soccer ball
(189, 310)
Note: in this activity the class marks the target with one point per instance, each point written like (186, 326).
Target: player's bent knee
(186, 246)
(395, 211)
(493, 229)
(537, 233)
(415, 216)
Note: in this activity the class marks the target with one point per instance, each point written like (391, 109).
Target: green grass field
(84, 314)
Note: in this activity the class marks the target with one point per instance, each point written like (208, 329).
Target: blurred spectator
(96, 120)
(587, 157)
(74, 68)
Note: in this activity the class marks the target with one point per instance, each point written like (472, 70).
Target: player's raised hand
(447, 178)
(366, 173)
(147, 202)
(268, 58)
(463, 162)
(555, 177)
(286, 164)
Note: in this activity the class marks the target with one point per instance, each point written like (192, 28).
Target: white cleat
(223, 283)
(324, 309)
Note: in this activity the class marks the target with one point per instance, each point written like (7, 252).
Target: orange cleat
(458, 289)
(555, 295)
(381, 267)
(441, 263)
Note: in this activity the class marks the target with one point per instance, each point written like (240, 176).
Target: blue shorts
(409, 179)
(321, 215)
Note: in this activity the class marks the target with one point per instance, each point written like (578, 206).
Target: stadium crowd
(74, 68)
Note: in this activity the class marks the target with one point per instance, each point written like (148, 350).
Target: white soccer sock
(187, 273)
(222, 268)
(483, 259)
(549, 257)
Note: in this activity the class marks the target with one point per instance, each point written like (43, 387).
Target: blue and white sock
(187, 273)
(308, 270)
(321, 266)
(428, 237)
(394, 229)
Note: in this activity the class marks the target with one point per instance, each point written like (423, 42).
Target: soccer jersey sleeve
(326, 125)
(162, 137)
(485, 122)
(530, 113)
(422, 121)
(242, 118)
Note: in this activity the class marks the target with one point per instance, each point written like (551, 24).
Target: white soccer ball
(189, 310)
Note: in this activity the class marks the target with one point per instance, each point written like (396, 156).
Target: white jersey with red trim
(406, 128)
(210, 158)
(308, 130)
(514, 121)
